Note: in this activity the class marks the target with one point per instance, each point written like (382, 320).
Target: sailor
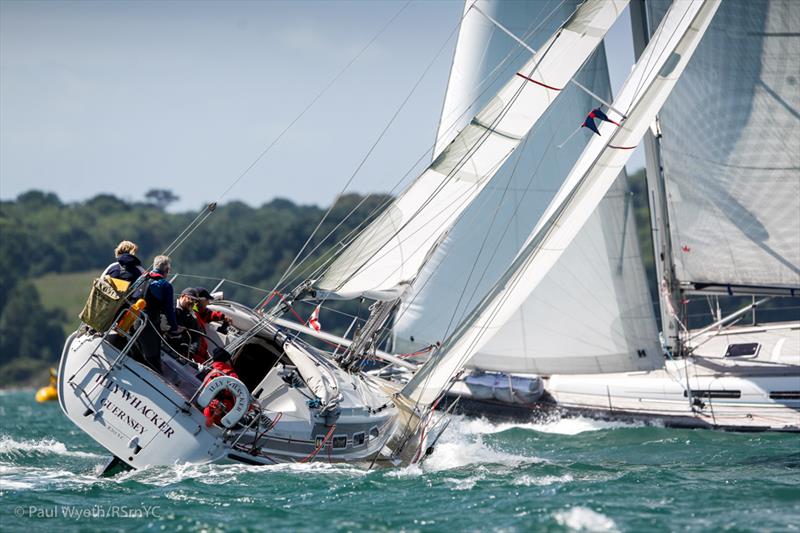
(189, 341)
(224, 401)
(204, 315)
(127, 267)
(159, 298)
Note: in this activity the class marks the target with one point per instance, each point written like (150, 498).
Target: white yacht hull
(146, 418)
(708, 390)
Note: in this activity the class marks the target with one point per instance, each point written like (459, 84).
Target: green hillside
(66, 293)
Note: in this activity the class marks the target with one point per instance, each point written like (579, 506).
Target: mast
(644, 92)
(385, 258)
(668, 293)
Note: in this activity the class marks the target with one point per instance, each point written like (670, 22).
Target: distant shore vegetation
(51, 250)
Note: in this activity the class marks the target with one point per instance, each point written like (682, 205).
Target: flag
(596, 113)
(313, 320)
(589, 123)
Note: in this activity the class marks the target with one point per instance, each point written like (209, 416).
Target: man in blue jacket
(160, 300)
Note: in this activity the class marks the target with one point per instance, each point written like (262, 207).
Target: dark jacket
(187, 320)
(160, 300)
(127, 267)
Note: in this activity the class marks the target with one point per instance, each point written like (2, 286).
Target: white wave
(214, 474)
(461, 453)
(16, 477)
(585, 519)
(10, 447)
(542, 481)
(408, 471)
(574, 426)
(464, 484)
(558, 425)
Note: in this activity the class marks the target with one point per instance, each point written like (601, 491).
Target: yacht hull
(758, 392)
(148, 418)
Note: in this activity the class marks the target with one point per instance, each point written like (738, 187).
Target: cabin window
(785, 395)
(373, 433)
(358, 439)
(749, 349)
(714, 394)
(340, 441)
(319, 440)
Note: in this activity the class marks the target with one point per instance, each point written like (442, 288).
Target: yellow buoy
(45, 394)
(48, 393)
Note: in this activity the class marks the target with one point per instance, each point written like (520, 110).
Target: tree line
(40, 234)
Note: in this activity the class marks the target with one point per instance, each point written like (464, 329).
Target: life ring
(236, 388)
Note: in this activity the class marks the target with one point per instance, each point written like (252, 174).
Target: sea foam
(585, 519)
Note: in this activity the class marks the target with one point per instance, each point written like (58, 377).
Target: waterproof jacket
(128, 267)
(160, 300)
(188, 321)
(204, 317)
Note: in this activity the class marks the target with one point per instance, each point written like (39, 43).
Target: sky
(122, 97)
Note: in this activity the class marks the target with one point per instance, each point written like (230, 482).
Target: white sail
(730, 151)
(389, 253)
(463, 86)
(641, 97)
(593, 311)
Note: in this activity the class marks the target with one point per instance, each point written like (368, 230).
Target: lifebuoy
(236, 388)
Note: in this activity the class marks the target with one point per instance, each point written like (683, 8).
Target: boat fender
(236, 388)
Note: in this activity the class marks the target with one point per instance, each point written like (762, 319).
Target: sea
(566, 474)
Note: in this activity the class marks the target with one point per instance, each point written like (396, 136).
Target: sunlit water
(570, 474)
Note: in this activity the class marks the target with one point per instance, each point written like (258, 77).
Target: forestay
(731, 150)
(389, 253)
(641, 97)
(593, 311)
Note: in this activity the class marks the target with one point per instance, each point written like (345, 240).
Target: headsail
(730, 151)
(593, 311)
(390, 252)
(641, 97)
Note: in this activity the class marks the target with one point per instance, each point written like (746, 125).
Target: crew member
(204, 315)
(189, 341)
(127, 267)
(159, 298)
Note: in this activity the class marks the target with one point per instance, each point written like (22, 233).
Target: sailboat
(298, 403)
(566, 342)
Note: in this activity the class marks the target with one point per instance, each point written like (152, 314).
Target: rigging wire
(513, 279)
(493, 76)
(514, 52)
(366, 156)
(211, 207)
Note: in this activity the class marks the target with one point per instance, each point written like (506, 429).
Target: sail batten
(641, 97)
(389, 254)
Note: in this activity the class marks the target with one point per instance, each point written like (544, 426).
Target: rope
(321, 444)
(198, 221)
(363, 161)
(492, 75)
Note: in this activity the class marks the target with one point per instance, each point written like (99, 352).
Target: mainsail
(593, 311)
(643, 94)
(730, 154)
(389, 253)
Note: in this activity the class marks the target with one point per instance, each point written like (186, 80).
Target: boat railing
(137, 327)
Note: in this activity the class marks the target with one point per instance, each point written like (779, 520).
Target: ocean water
(566, 475)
